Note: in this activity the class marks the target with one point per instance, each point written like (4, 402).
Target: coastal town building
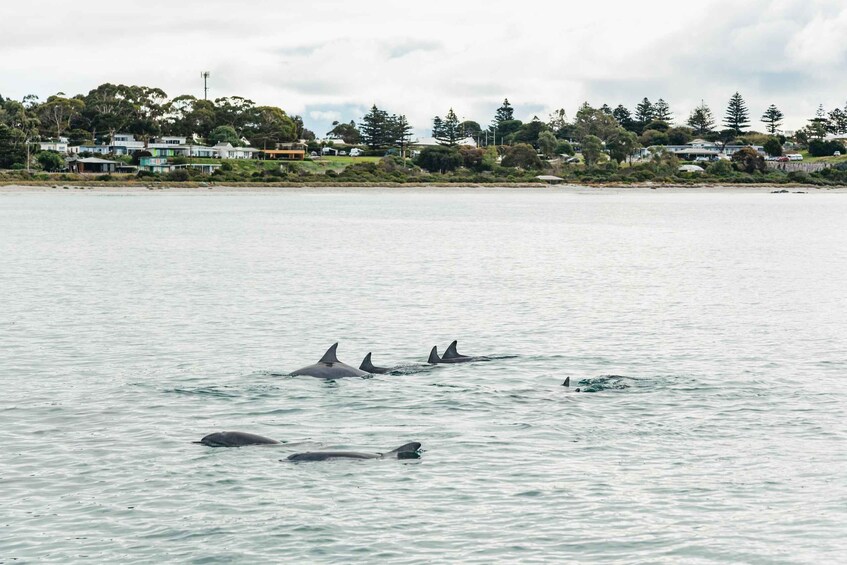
(166, 146)
(699, 150)
(92, 165)
(161, 165)
(60, 146)
(286, 152)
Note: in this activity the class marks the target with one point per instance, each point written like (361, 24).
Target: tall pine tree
(772, 118)
(450, 131)
(504, 113)
(644, 112)
(737, 118)
(662, 111)
(624, 117)
(374, 129)
(820, 125)
(401, 133)
(701, 119)
(838, 121)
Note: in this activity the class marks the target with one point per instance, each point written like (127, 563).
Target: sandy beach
(563, 188)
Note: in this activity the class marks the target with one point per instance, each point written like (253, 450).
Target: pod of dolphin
(330, 368)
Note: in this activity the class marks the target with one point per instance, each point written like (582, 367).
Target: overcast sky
(330, 60)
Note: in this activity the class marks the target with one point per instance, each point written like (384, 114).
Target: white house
(57, 146)
(125, 143)
(227, 151)
(431, 141)
(701, 148)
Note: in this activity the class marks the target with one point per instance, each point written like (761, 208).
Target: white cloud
(325, 116)
(329, 60)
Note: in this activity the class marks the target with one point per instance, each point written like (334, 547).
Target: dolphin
(369, 367)
(235, 439)
(407, 451)
(567, 384)
(329, 367)
(451, 352)
(451, 356)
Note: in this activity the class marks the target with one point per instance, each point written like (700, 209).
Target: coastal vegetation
(598, 145)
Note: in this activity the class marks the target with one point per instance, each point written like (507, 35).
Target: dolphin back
(433, 356)
(326, 455)
(235, 439)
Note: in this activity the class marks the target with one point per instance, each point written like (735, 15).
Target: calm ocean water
(711, 328)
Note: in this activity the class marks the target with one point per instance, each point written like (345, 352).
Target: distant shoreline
(204, 188)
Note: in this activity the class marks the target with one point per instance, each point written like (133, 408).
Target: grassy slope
(249, 166)
(809, 159)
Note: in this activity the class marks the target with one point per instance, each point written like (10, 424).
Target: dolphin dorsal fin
(329, 357)
(406, 448)
(451, 351)
(567, 382)
(433, 355)
(367, 365)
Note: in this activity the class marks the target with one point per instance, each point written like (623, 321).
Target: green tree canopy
(439, 159)
(506, 129)
(57, 112)
(594, 122)
(470, 128)
(50, 161)
(12, 147)
(522, 155)
(748, 160)
(624, 118)
(622, 145)
(271, 126)
(224, 134)
(773, 147)
(348, 133)
(592, 149)
(529, 132)
(548, 143)
(679, 135)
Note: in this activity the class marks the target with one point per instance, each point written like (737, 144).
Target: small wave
(203, 391)
(607, 382)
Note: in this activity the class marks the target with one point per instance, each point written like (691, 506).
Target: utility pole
(205, 75)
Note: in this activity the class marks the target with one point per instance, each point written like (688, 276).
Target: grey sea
(707, 332)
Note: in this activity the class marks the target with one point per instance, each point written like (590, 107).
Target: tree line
(619, 129)
(148, 112)
(143, 111)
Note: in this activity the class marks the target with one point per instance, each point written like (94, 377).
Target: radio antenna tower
(205, 75)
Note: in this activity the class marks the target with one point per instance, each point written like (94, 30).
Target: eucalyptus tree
(57, 112)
